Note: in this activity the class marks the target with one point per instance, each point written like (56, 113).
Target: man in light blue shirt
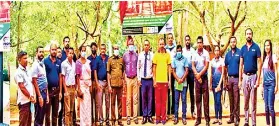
(180, 72)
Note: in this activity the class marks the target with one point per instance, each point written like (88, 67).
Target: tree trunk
(18, 31)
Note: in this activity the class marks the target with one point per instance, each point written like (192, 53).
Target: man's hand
(155, 84)
(32, 99)
(197, 76)
(240, 85)
(257, 83)
(41, 101)
(276, 90)
(60, 96)
(109, 88)
(47, 99)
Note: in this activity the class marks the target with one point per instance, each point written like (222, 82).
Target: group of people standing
(167, 73)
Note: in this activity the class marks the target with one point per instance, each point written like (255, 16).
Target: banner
(5, 26)
(146, 17)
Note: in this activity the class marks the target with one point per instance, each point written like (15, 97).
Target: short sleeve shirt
(101, 67)
(232, 61)
(269, 74)
(189, 55)
(53, 69)
(161, 60)
(22, 76)
(115, 67)
(250, 57)
(69, 71)
(216, 69)
(200, 60)
(39, 72)
(179, 65)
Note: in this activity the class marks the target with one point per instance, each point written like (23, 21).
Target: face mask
(94, 52)
(83, 54)
(131, 48)
(116, 52)
(178, 55)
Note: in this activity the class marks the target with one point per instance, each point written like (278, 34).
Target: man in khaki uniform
(115, 74)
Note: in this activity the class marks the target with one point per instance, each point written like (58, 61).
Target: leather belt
(44, 90)
(132, 77)
(249, 74)
(71, 86)
(147, 78)
(53, 88)
(233, 76)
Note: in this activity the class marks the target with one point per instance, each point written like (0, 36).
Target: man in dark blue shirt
(66, 42)
(53, 73)
(232, 60)
(100, 74)
(250, 59)
(94, 88)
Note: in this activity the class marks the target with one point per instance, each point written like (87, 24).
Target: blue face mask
(178, 55)
(131, 48)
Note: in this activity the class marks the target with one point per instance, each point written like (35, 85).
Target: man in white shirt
(26, 94)
(39, 81)
(188, 53)
(145, 77)
(69, 80)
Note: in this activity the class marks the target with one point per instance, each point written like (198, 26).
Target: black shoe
(136, 121)
(175, 121)
(207, 124)
(113, 123)
(184, 121)
(107, 123)
(230, 121)
(197, 123)
(246, 124)
(144, 120)
(120, 123)
(150, 120)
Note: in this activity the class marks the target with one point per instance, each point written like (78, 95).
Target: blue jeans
(176, 101)
(217, 104)
(269, 97)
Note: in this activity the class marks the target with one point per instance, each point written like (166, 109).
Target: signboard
(146, 17)
(5, 26)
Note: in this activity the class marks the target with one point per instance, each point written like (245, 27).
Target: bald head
(53, 50)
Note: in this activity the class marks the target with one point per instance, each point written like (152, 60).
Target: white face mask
(116, 52)
(83, 54)
(131, 48)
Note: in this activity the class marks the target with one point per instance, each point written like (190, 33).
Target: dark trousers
(52, 107)
(116, 91)
(190, 81)
(171, 102)
(183, 94)
(147, 96)
(269, 98)
(25, 115)
(217, 103)
(40, 112)
(202, 92)
(234, 97)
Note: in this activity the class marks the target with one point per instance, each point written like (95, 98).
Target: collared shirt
(92, 65)
(39, 72)
(115, 67)
(268, 74)
(141, 62)
(161, 60)
(189, 54)
(171, 51)
(130, 60)
(179, 65)
(21, 76)
(250, 57)
(216, 70)
(69, 71)
(52, 71)
(101, 67)
(200, 60)
(232, 61)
